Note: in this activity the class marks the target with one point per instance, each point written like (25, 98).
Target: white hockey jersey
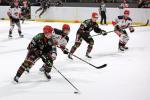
(60, 39)
(15, 12)
(122, 22)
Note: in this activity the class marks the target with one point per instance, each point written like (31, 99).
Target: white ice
(127, 76)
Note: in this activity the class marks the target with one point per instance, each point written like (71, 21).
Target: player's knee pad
(47, 68)
(77, 44)
(12, 27)
(18, 25)
(124, 38)
(27, 63)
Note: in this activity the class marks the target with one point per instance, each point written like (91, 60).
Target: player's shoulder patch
(58, 31)
(120, 17)
(39, 36)
(87, 21)
(12, 6)
(129, 19)
(95, 24)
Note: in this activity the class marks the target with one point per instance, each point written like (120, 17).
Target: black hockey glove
(45, 59)
(131, 29)
(53, 56)
(10, 17)
(65, 51)
(103, 32)
(118, 28)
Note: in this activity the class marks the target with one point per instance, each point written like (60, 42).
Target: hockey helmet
(94, 15)
(65, 27)
(47, 29)
(127, 12)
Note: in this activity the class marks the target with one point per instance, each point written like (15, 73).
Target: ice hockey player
(83, 33)
(61, 39)
(14, 14)
(120, 24)
(44, 4)
(42, 46)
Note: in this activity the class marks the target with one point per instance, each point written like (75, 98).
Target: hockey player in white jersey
(14, 14)
(60, 39)
(120, 24)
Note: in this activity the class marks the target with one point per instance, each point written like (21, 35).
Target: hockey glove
(118, 28)
(131, 29)
(65, 51)
(53, 56)
(10, 17)
(46, 60)
(103, 32)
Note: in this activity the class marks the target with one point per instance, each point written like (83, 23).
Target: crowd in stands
(9, 2)
(141, 3)
(144, 4)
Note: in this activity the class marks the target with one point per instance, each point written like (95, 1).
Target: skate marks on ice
(15, 38)
(107, 54)
(11, 51)
(2, 46)
(10, 39)
(31, 85)
(11, 89)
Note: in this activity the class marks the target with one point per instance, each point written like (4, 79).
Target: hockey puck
(76, 92)
(104, 65)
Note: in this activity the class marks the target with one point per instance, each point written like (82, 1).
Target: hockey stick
(123, 28)
(143, 24)
(77, 90)
(101, 34)
(97, 67)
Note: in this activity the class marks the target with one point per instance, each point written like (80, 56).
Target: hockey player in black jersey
(120, 24)
(61, 39)
(83, 33)
(14, 14)
(25, 11)
(41, 46)
(44, 4)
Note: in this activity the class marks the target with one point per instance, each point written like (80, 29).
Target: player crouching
(61, 39)
(42, 46)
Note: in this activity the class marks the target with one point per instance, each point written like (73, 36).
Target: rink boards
(78, 14)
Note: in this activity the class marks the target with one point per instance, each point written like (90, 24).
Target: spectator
(124, 5)
(144, 4)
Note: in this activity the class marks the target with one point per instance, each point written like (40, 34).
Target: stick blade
(147, 22)
(102, 66)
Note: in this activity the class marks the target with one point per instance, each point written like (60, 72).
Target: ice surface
(127, 76)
